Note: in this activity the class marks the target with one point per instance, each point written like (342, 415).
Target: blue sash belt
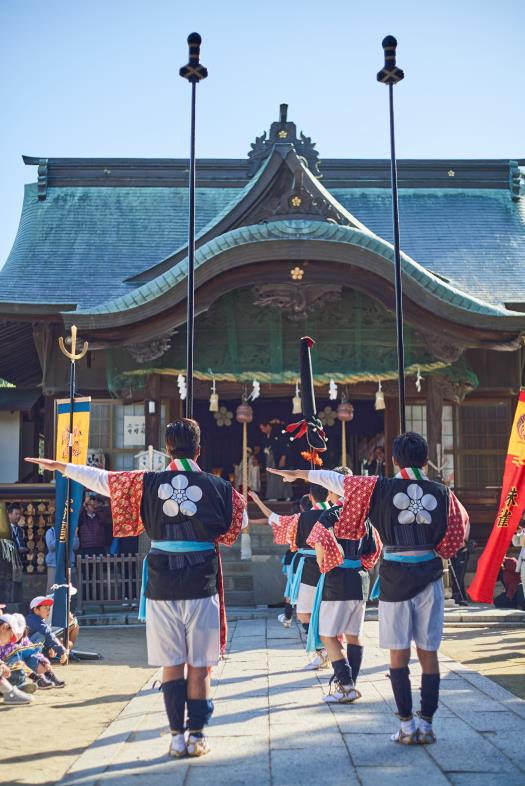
(407, 559)
(314, 641)
(296, 578)
(289, 575)
(173, 546)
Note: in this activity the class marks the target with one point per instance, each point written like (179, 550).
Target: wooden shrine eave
(224, 276)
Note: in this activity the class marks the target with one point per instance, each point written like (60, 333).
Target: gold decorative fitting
(451, 173)
(296, 201)
(282, 134)
(297, 273)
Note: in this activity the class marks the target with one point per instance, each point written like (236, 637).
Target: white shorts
(419, 619)
(183, 631)
(305, 599)
(341, 616)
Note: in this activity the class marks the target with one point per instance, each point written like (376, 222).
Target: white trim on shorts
(305, 599)
(183, 631)
(338, 617)
(419, 619)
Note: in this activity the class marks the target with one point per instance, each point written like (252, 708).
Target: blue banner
(76, 498)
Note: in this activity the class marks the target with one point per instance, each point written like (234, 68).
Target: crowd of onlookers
(29, 648)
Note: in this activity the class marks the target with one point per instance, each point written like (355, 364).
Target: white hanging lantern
(214, 398)
(380, 398)
(256, 390)
(181, 382)
(419, 380)
(296, 402)
(332, 390)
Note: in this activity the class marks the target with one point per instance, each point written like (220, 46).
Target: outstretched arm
(265, 510)
(333, 481)
(91, 477)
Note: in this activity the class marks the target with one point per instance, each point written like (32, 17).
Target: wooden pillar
(434, 395)
(391, 430)
(49, 433)
(152, 394)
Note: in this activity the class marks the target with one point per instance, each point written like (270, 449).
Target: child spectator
(40, 631)
(25, 654)
(10, 693)
(512, 597)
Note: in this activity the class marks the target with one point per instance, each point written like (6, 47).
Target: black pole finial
(194, 71)
(390, 74)
(283, 113)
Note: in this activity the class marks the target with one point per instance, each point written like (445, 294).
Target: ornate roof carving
(283, 131)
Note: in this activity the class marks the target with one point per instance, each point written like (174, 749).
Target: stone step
(239, 598)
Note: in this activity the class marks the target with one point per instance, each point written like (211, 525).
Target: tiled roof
(475, 238)
(82, 243)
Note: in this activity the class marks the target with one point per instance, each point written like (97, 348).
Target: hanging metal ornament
(214, 398)
(345, 412)
(419, 380)
(296, 401)
(380, 398)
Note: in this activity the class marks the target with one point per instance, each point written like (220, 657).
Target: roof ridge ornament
(283, 131)
(516, 177)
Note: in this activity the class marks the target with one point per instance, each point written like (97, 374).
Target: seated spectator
(30, 654)
(512, 597)
(40, 631)
(10, 693)
(94, 527)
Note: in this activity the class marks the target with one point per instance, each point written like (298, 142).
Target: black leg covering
(306, 627)
(429, 695)
(288, 611)
(355, 657)
(199, 713)
(342, 671)
(400, 679)
(175, 702)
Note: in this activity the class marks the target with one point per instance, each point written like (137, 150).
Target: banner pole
(390, 75)
(193, 71)
(64, 530)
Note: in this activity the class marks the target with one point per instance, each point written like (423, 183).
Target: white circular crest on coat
(414, 505)
(179, 496)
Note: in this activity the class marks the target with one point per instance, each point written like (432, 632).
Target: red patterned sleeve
(238, 508)
(456, 528)
(126, 496)
(369, 560)
(285, 532)
(356, 505)
(325, 538)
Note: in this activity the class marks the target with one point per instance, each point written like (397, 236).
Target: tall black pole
(193, 71)
(390, 75)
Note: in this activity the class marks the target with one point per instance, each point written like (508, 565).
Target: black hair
(410, 450)
(305, 503)
(183, 438)
(319, 493)
(14, 506)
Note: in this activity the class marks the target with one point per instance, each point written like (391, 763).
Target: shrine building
(288, 244)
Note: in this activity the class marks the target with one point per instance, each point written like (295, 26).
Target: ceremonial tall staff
(390, 75)
(193, 71)
(73, 356)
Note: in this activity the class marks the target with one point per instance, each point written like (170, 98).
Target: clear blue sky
(100, 77)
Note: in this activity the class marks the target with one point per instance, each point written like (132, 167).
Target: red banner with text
(511, 507)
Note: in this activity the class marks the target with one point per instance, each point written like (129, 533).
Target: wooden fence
(109, 580)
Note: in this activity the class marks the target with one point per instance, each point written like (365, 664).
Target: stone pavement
(271, 728)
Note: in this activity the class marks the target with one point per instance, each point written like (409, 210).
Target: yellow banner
(517, 435)
(80, 435)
